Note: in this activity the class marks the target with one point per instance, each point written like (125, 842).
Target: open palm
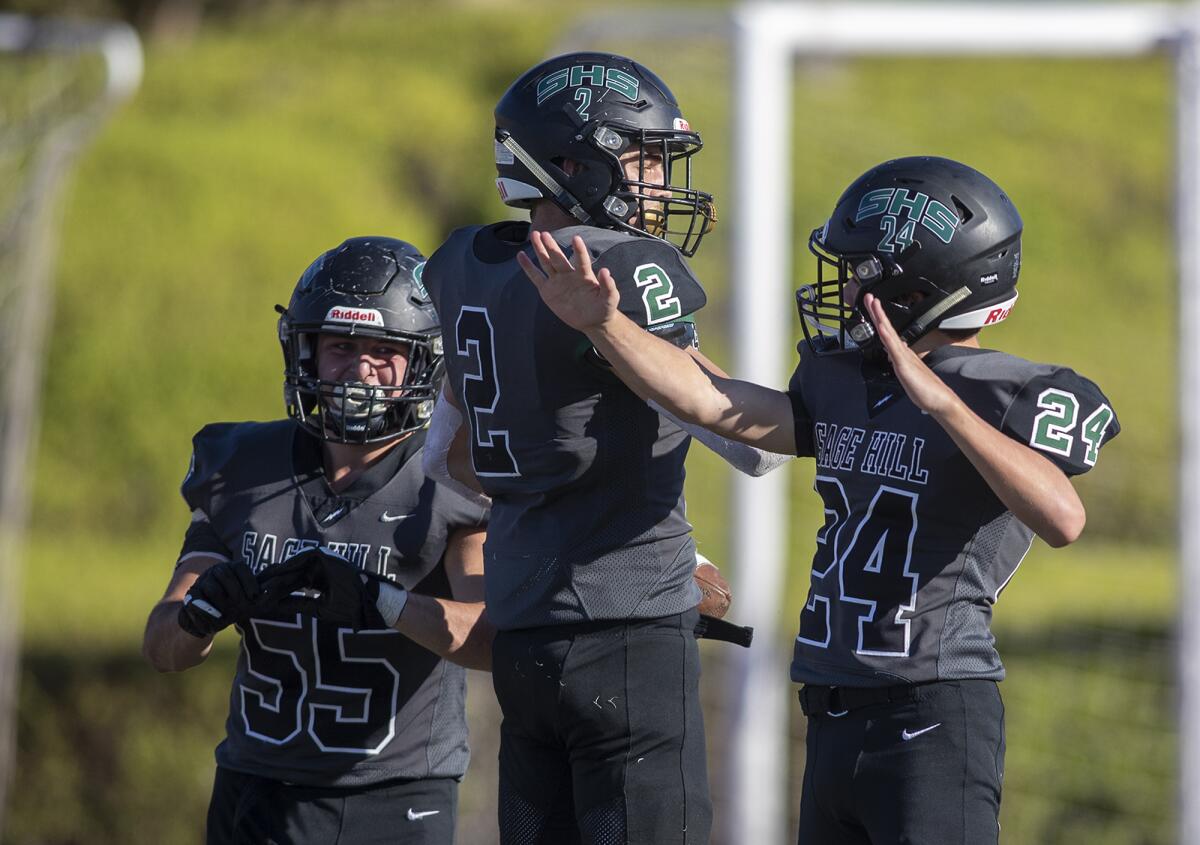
(577, 295)
(924, 388)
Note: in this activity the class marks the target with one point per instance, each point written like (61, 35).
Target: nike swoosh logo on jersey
(906, 734)
(387, 517)
(335, 514)
(416, 817)
(887, 398)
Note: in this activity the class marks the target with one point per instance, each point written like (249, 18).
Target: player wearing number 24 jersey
(937, 461)
(346, 716)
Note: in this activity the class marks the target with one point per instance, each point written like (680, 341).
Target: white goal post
(767, 38)
(60, 80)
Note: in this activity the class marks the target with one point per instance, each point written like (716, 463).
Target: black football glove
(223, 594)
(334, 590)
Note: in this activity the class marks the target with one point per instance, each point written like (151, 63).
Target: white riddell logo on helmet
(681, 125)
(338, 314)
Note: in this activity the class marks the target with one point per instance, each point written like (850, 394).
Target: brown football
(716, 596)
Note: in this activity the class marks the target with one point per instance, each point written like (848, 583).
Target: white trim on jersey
(190, 555)
(996, 597)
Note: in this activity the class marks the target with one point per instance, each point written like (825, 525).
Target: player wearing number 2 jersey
(937, 462)
(589, 556)
(347, 728)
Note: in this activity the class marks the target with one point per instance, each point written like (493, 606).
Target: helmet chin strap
(919, 326)
(561, 194)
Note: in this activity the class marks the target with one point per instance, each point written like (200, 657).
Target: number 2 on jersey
(475, 340)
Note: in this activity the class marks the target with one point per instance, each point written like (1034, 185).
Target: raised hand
(578, 296)
(924, 388)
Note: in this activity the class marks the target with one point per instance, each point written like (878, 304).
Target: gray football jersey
(587, 519)
(916, 547)
(313, 703)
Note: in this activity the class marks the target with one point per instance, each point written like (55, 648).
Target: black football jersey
(916, 547)
(313, 703)
(587, 519)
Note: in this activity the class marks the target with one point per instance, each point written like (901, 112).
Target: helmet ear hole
(964, 214)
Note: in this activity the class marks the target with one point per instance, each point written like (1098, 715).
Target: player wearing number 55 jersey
(937, 462)
(346, 719)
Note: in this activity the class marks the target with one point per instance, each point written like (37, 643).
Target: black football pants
(251, 810)
(926, 771)
(603, 738)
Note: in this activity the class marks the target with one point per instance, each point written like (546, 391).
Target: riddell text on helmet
(354, 315)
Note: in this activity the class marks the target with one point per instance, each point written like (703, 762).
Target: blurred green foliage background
(264, 135)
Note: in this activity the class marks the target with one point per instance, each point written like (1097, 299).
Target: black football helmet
(591, 108)
(366, 287)
(937, 242)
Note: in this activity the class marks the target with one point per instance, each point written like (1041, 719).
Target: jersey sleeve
(802, 422)
(433, 270)
(656, 284)
(460, 512)
(1065, 417)
(208, 452)
(202, 539)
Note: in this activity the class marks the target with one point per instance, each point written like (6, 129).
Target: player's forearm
(168, 647)
(655, 369)
(747, 459)
(1029, 485)
(669, 376)
(457, 631)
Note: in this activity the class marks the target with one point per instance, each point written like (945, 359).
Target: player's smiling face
(361, 360)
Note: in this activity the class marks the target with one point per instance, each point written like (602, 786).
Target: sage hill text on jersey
(888, 454)
(916, 547)
(259, 552)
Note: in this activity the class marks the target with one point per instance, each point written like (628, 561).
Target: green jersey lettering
(661, 306)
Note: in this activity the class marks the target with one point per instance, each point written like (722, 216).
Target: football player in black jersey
(346, 719)
(937, 462)
(589, 556)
